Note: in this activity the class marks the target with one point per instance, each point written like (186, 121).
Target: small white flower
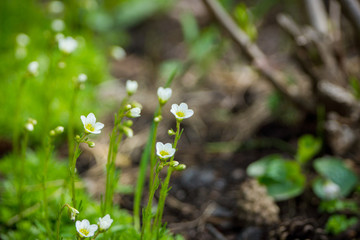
(33, 68)
(131, 87)
(331, 190)
(29, 126)
(67, 45)
(181, 112)
(20, 52)
(82, 78)
(164, 94)
(56, 7)
(117, 52)
(22, 39)
(57, 25)
(164, 151)
(85, 229)
(134, 112)
(90, 124)
(105, 223)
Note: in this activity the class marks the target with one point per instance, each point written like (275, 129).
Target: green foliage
(336, 205)
(244, 20)
(308, 147)
(334, 169)
(282, 178)
(339, 223)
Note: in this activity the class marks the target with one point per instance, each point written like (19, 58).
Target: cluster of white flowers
(86, 230)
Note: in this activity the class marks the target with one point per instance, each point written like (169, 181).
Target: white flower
(85, 229)
(117, 52)
(33, 68)
(56, 7)
(105, 222)
(22, 39)
(181, 112)
(57, 25)
(90, 124)
(131, 87)
(67, 45)
(164, 151)
(82, 78)
(134, 112)
(164, 94)
(331, 190)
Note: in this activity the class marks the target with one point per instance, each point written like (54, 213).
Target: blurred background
(260, 75)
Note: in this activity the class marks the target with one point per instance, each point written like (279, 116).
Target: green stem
(22, 172)
(16, 133)
(73, 169)
(165, 186)
(115, 139)
(58, 221)
(70, 132)
(45, 170)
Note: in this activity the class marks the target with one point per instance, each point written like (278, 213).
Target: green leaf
(308, 147)
(190, 27)
(282, 178)
(259, 168)
(335, 170)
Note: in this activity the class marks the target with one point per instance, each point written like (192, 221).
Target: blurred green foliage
(339, 223)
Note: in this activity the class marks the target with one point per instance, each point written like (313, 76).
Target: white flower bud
(82, 78)
(131, 87)
(57, 25)
(22, 39)
(67, 45)
(134, 112)
(128, 132)
(164, 94)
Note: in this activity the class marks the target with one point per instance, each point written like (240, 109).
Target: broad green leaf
(259, 168)
(335, 170)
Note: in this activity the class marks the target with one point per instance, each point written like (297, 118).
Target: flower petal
(91, 118)
(99, 126)
(83, 119)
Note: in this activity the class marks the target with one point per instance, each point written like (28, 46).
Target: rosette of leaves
(335, 170)
(282, 177)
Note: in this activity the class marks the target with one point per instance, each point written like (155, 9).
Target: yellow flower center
(90, 127)
(84, 231)
(180, 114)
(164, 153)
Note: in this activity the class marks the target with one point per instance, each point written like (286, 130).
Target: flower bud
(33, 68)
(134, 112)
(131, 87)
(158, 118)
(117, 52)
(174, 164)
(82, 78)
(91, 144)
(77, 138)
(59, 129)
(128, 131)
(128, 123)
(52, 133)
(180, 167)
(29, 127)
(171, 132)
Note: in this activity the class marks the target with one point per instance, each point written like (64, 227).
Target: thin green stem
(115, 139)
(16, 133)
(70, 129)
(22, 172)
(73, 168)
(44, 179)
(165, 186)
(58, 221)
